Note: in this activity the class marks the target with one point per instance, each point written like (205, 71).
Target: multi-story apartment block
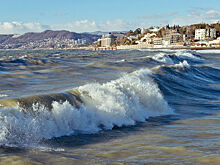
(168, 33)
(200, 34)
(107, 40)
(157, 41)
(189, 35)
(203, 34)
(173, 36)
(211, 33)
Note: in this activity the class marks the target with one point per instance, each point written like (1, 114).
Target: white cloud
(208, 16)
(77, 26)
(91, 26)
(20, 28)
(193, 16)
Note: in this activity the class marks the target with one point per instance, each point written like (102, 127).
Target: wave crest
(132, 98)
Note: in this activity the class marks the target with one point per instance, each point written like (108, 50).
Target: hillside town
(46, 40)
(53, 43)
(49, 43)
(197, 36)
(193, 36)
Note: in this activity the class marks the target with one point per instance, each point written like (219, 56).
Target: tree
(137, 31)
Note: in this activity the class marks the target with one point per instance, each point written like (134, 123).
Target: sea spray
(182, 65)
(162, 57)
(132, 98)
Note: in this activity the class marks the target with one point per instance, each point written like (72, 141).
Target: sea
(147, 106)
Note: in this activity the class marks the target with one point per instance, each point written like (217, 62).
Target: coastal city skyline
(90, 16)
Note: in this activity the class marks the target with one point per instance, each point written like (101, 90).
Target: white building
(184, 37)
(200, 34)
(107, 40)
(154, 29)
(215, 43)
(131, 38)
(175, 38)
(157, 41)
(147, 39)
(78, 42)
(211, 33)
(166, 42)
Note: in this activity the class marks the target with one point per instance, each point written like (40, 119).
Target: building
(172, 36)
(190, 36)
(132, 38)
(147, 39)
(211, 33)
(175, 38)
(203, 34)
(184, 37)
(168, 33)
(215, 43)
(106, 40)
(166, 42)
(200, 34)
(154, 29)
(157, 41)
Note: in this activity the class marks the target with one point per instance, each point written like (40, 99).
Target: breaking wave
(132, 98)
(182, 65)
(175, 57)
(162, 57)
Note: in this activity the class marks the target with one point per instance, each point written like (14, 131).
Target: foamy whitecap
(174, 58)
(158, 50)
(186, 54)
(3, 95)
(212, 51)
(162, 57)
(132, 98)
(182, 65)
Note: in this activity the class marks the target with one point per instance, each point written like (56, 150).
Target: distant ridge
(13, 41)
(102, 33)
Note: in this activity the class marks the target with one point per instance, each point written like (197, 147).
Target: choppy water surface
(110, 107)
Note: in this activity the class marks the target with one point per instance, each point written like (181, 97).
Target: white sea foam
(186, 54)
(158, 50)
(3, 95)
(23, 57)
(212, 51)
(182, 65)
(162, 57)
(168, 59)
(123, 60)
(122, 102)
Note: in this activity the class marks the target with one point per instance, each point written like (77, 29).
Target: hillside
(11, 41)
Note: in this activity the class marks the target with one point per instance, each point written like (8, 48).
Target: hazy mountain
(15, 41)
(102, 33)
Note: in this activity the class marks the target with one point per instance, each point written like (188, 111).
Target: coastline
(125, 47)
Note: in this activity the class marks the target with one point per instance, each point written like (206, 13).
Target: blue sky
(19, 16)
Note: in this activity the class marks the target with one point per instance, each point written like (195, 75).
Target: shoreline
(161, 48)
(126, 48)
